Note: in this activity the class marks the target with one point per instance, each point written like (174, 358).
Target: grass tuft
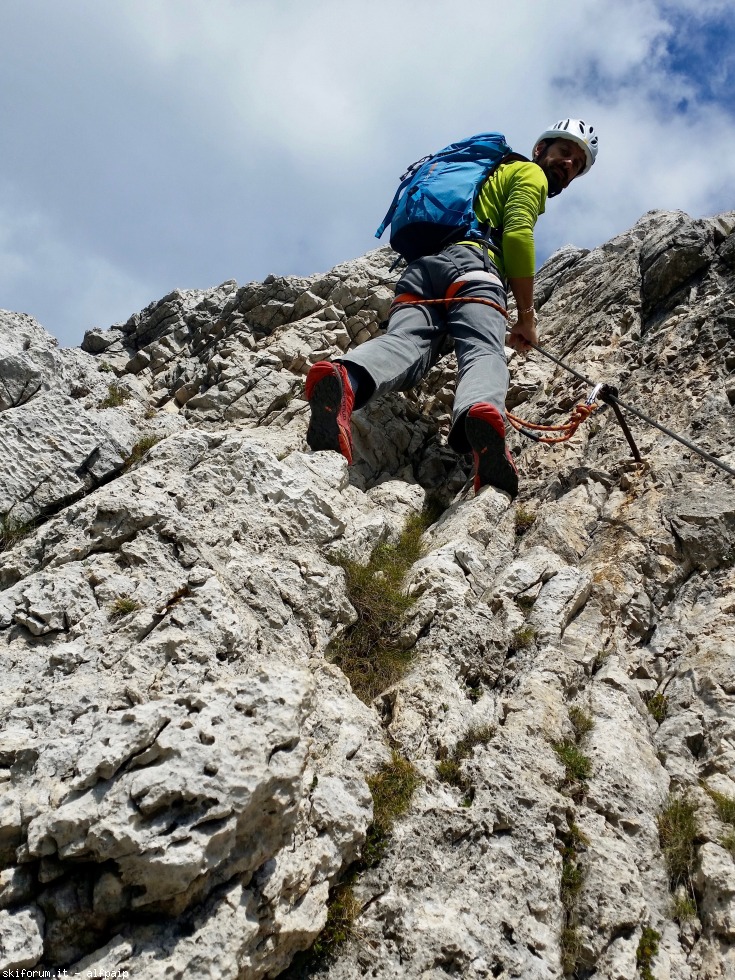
(572, 879)
(647, 952)
(577, 765)
(140, 449)
(13, 530)
(725, 806)
(683, 908)
(582, 723)
(369, 652)
(677, 831)
(658, 707)
(523, 638)
(342, 911)
(571, 947)
(449, 769)
(572, 874)
(392, 788)
(576, 838)
(116, 395)
(124, 605)
(524, 520)
(474, 690)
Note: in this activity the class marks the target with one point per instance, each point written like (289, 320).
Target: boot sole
(323, 431)
(493, 467)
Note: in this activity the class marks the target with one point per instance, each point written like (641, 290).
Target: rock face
(184, 770)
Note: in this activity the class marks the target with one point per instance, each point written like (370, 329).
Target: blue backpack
(435, 201)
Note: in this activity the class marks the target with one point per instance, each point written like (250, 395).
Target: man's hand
(525, 329)
(522, 332)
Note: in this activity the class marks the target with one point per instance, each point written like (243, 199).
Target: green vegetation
(342, 911)
(677, 832)
(105, 367)
(599, 661)
(725, 806)
(140, 449)
(683, 907)
(523, 638)
(577, 770)
(572, 879)
(571, 947)
(123, 605)
(647, 952)
(369, 652)
(392, 788)
(523, 520)
(449, 768)
(582, 723)
(577, 765)
(474, 691)
(116, 395)
(12, 530)
(658, 707)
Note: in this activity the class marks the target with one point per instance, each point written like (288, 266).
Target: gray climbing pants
(402, 357)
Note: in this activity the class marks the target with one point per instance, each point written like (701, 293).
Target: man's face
(561, 161)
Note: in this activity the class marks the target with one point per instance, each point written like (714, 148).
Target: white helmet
(578, 132)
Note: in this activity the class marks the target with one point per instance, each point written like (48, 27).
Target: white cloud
(66, 289)
(187, 141)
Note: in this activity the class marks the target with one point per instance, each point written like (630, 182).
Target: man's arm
(524, 203)
(524, 329)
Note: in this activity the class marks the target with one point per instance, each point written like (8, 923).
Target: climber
(473, 268)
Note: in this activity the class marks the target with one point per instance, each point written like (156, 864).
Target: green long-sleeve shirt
(512, 199)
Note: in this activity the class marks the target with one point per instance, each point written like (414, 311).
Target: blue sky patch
(701, 50)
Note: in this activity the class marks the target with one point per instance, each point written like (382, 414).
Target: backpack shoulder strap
(510, 158)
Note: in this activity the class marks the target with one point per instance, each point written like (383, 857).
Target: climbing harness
(411, 299)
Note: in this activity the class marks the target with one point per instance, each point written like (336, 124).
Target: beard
(554, 180)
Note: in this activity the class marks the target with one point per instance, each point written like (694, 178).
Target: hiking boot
(330, 395)
(485, 430)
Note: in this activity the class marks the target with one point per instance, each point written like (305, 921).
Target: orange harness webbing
(580, 414)
(411, 299)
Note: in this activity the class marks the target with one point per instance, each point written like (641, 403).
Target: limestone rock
(184, 770)
(21, 938)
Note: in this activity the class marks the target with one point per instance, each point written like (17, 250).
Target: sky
(148, 145)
